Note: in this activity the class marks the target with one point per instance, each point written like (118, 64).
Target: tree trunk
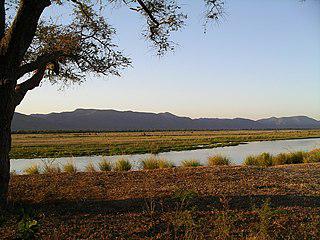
(6, 113)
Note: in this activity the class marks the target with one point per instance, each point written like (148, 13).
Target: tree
(34, 47)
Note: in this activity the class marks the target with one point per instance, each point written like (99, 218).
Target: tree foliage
(82, 42)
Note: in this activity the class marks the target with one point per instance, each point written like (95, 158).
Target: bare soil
(235, 202)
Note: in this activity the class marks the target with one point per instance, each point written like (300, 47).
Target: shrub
(34, 169)
(218, 160)
(105, 165)
(122, 165)
(262, 160)
(312, 156)
(27, 228)
(191, 163)
(70, 168)
(155, 163)
(90, 167)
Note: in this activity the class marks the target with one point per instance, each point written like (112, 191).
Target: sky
(262, 60)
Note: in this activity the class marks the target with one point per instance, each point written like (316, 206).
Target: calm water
(236, 153)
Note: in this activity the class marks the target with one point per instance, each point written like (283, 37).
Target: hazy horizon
(261, 61)
(128, 110)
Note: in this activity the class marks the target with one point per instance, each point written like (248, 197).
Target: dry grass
(34, 169)
(51, 169)
(262, 160)
(155, 163)
(84, 144)
(105, 166)
(112, 205)
(70, 168)
(122, 165)
(191, 163)
(90, 167)
(312, 156)
(218, 160)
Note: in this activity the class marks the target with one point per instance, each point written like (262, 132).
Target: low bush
(34, 169)
(122, 165)
(218, 160)
(105, 166)
(191, 163)
(69, 168)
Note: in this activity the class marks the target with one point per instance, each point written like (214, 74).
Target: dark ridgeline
(112, 120)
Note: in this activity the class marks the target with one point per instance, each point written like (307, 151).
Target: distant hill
(112, 120)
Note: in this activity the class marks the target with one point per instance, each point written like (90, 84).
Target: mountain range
(112, 120)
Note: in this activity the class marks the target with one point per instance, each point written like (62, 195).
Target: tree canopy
(65, 50)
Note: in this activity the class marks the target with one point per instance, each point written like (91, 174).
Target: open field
(240, 202)
(114, 143)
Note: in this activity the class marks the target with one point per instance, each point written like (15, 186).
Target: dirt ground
(181, 203)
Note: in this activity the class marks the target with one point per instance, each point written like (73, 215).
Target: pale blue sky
(263, 60)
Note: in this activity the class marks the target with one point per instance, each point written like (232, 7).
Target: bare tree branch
(42, 60)
(33, 82)
(148, 12)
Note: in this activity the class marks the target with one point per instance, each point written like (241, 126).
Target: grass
(114, 143)
(90, 167)
(122, 165)
(191, 163)
(312, 156)
(105, 166)
(218, 160)
(51, 169)
(34, 169)
(187, 203)
(155, 163)
(298, 157)
(70, 168)
(263, 160)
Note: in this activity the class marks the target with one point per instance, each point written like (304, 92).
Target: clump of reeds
(218, 160)
(34, 169)
(90, 167)
(312, 156)
(51, 169)
(70, 168)
(263, 160)
(122, 165)
(105, 166)
(155, 163)
(190, 163)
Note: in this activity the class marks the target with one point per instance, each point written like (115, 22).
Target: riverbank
(234, 202)
(55, 145)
